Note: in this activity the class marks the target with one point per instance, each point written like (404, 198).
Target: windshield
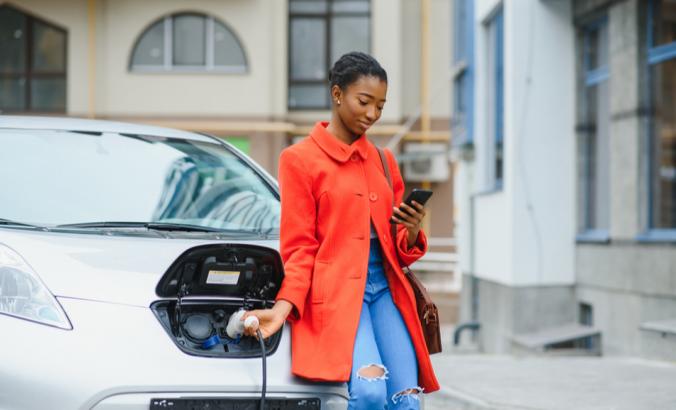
(52, 178)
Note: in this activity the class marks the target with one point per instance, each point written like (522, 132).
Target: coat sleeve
(406, 254)
(298, 244)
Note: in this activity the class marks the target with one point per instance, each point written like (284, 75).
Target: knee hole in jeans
(372, 372)
(407, 394)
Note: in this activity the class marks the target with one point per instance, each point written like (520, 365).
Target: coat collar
(336, 148)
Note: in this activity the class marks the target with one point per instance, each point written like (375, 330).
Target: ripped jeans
(382, 342)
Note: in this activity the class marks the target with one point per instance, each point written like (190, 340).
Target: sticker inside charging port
(222, 277)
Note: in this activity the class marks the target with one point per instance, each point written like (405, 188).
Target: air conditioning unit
(425, 162)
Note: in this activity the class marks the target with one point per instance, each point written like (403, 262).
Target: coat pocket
(318, 284)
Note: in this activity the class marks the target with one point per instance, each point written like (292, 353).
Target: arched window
(188, 42)
(32, 63)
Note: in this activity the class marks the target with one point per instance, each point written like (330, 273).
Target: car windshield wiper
(156, 226)
(4, 221)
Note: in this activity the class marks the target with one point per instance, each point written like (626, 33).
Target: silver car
(124, 252)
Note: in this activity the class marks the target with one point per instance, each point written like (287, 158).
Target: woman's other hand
(411, 219)
(269, 320)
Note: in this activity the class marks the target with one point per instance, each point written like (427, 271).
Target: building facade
(254, 72)
(565, 152)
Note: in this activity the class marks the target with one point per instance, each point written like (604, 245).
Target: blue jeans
(384, 342)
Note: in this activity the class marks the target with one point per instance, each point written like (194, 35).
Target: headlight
(22, 293)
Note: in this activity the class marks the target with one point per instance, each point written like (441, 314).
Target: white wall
(462, 182)
(493, 221)
(525, 231)
(539, 117)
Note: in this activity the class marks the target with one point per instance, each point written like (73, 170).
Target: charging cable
(235, 330)
(265, 373)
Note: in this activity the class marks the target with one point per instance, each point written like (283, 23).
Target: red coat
(329, 191)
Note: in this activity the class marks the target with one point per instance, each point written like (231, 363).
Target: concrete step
(658, 339)
(567, 339)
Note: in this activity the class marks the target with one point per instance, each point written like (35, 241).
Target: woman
(351, 310)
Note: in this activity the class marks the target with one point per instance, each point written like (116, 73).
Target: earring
(338, 102)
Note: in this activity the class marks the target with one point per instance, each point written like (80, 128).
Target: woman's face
(361, 103)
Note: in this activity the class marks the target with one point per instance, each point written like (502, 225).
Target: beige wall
(122, 92)
(261, 26)
(386, 33)
(440, 57)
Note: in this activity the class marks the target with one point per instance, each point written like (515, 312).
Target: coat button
(354, 157)
(373, 196)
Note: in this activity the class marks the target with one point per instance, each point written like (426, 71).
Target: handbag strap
(386, 168)
(429, 315)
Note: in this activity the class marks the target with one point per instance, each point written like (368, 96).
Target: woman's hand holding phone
(411, 217)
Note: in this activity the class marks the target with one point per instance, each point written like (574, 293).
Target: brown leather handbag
(427, 310)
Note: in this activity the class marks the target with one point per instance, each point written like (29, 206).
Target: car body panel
(109, 268)
(118, 349)
(86, 125)
(117, 354)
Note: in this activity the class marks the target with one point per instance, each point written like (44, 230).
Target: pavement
(473, 381)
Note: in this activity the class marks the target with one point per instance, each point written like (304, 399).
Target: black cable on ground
(265, 373)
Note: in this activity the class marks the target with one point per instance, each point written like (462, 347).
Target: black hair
(353, 65)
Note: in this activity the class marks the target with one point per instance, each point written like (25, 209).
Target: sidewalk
(482, 382)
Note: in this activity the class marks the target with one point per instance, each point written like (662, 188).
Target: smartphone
(418, 195)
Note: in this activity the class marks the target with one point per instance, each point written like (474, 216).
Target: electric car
(125, 250)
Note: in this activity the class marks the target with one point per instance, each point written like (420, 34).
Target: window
(495, 97)
(594, 147)
(463, 72)
(319, 33)
(662, 100)
(32, 63)
(188, 42)
(79, 177)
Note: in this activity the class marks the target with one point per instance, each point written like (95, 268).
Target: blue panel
(593, 236)
(460, 24)
(662, 53)
(649, 25)
(658, 235)
(499, 76)
(595, 77)
(463, 84)
(470, 71)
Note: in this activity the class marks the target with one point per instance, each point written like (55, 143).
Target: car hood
(108, 268)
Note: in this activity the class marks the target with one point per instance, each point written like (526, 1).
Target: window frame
(590, 77)
(655, 54)
(462, 123)
(29, 74)
(327, 17)
(168, 65)
(493, 27)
